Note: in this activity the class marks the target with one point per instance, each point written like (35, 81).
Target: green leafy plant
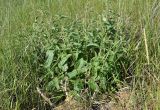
(80, 57)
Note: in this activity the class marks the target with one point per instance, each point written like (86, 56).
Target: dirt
(119, 102)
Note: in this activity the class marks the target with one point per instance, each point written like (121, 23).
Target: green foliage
(83, 57)
(86, 49)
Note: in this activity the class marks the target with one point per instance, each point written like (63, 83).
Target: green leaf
(53, 84)
(72, 74)
(49, 54)
(62, 64)
(103, 83)
(56, 82)
(93, 45)
(64, 67)
(81, 63)
(75, 55)
(78, 85)
(81, 66)
(92, 85)
(111, 56)
(50, 85)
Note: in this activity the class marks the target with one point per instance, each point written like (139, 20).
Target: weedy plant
(80, 58)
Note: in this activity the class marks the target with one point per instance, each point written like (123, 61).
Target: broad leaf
(72, 74)
(62, 65)
(92, 85)
(50, 55)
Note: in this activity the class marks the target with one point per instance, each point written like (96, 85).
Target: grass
(80, 48)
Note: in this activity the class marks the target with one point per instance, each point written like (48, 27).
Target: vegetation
(82, 49)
